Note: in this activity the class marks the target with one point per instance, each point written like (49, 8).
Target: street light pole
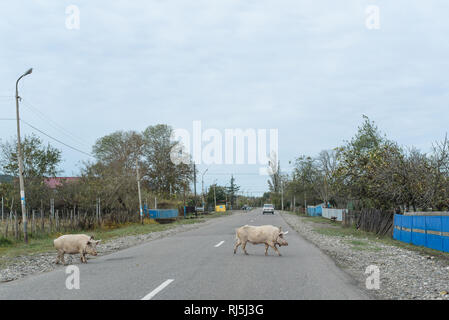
(19, 156)
(138, 191)
(202, 184)
(215, 195)
(282, 195)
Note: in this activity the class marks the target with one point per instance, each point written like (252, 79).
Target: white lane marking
(157, 290)
(219, 244)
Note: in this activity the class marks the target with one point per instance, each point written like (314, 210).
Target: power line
(54, 124)
(57, 140)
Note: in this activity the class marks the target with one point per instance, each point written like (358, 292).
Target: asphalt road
(200, 264)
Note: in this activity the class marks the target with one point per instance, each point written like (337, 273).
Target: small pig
(75, 243)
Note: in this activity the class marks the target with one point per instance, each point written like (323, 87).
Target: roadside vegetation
(104, 194)
(44, 243)
(368, 171)
(364, 239)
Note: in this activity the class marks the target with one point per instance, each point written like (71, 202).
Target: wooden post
(7, 223)
(33, 224)
(16, 226)
(57, 220)
(42, 217)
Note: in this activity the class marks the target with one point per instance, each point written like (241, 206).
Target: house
(52, 183)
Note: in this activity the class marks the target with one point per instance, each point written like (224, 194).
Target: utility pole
(138, 190)
(202, 185)
(282, 195)
(215, 195)
(19, 156)
(194, 181)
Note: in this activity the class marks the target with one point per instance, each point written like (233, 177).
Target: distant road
(200, 264)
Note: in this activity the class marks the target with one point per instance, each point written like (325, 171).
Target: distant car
(268, 208)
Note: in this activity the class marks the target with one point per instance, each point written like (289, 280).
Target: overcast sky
(308, 68)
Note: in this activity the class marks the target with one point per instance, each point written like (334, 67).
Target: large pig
(75, 243)
(268, 234)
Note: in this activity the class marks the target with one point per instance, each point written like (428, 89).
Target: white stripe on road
(219, 244)
(157, 290)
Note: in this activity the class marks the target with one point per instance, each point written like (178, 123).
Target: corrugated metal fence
(163, 213)
(330, 213)
(427, 231)
(319, 210)
(314, 211)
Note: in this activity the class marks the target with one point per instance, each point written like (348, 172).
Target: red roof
(57, 181)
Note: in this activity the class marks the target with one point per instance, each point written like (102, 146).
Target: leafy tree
(161, 173)
(232, 190)
(38, 160)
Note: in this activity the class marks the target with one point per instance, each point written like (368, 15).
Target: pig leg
(58, 257)
(266, 249)
(62, 258)
(83, 256)
(244, 247)
(237, 243)
(275, 248)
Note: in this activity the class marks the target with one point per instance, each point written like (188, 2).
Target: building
(52, 183)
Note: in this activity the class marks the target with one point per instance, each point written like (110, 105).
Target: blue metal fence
(427, 231)
(163, 213)
(315, 211)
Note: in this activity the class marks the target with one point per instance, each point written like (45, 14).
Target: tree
(161, 173)
(39, 162)
(220, 194)
(232, 190)
(356, 157)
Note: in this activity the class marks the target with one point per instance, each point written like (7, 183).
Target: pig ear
(98, 241)
(91, 237)
(280, 229)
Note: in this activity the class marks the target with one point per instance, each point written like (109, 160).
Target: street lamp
(202, 184)
(215, 195)
(19, 156)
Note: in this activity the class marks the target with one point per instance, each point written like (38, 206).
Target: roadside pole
(194, 183)
(282, 196)
(19, 156)
(138, 189)
(215, 199)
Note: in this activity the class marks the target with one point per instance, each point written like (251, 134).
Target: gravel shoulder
(404, 274)
(25, 265)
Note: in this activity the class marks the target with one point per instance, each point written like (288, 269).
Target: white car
(268, 208)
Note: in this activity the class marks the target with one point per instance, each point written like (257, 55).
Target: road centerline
(158, 289)
(219, 244)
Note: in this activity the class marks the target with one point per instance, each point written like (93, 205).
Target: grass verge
(40, 244)
(335, 229)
